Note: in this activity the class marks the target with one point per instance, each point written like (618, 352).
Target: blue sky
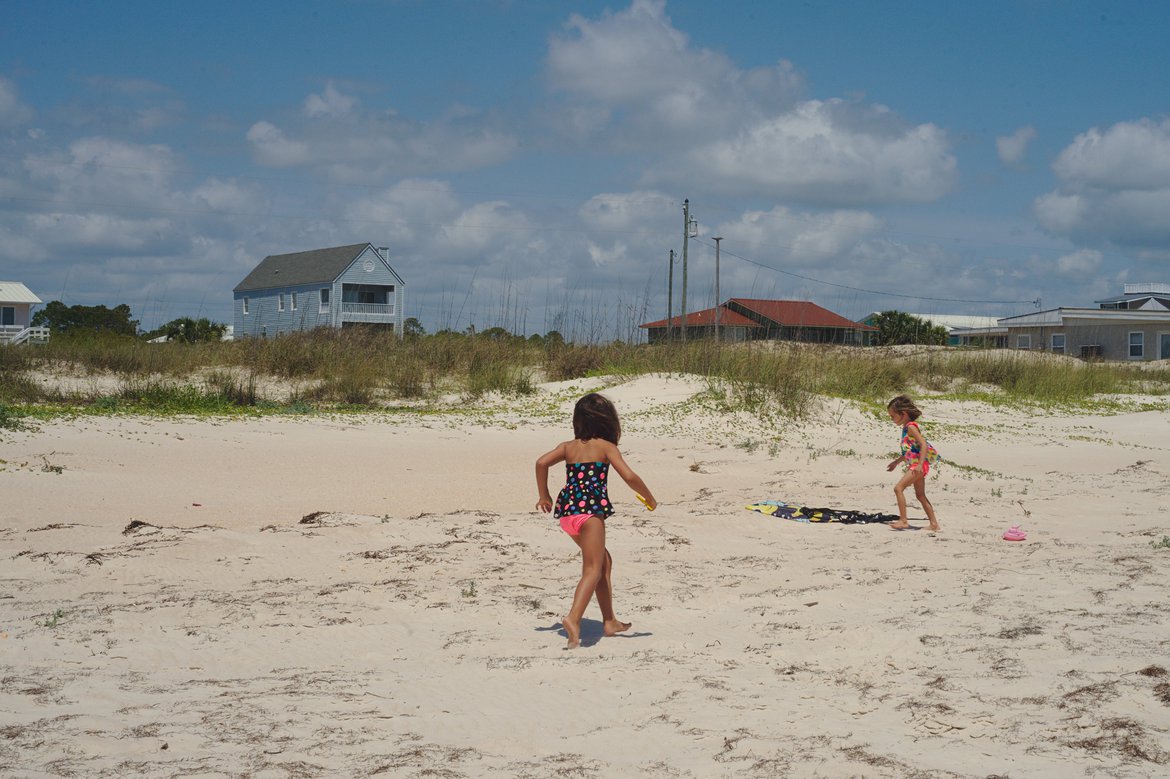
(526, 162)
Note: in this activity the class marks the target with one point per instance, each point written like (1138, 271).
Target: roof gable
(318, 266)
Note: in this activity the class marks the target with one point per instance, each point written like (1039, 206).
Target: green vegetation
(10, 420)
(362, 369)
(60, 318)
(190, 330)
(53, 619)
(898, 327)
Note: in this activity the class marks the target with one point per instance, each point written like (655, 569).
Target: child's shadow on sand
(592, 631)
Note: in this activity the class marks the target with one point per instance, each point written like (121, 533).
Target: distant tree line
(81, 320)
(412, 328)
(62, 319)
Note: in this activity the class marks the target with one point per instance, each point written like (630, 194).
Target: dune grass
(361, 369)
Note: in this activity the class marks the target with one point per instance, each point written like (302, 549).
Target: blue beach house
(337, 287)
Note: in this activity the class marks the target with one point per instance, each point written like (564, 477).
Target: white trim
(245, 300)
(1052, 343)
(1058, 317)
(294, 301)
(280, 301)
(323, 298)
(1130, 344)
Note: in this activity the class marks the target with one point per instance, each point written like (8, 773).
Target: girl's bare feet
(934, 527)
(613, 627)
(899, 525)
(574, 631)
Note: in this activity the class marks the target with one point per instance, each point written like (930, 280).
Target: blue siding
(264, 316)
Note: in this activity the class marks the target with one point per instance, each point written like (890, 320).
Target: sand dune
(374, 595)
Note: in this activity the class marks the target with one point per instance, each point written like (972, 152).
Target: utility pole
(670, 299)
(686, 234)
(718, 309)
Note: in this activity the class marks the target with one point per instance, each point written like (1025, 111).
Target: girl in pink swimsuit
(917, 454)
(583, 504)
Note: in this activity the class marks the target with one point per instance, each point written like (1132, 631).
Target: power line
(874, 291)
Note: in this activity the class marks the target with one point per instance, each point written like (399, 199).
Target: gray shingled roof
(318, 266)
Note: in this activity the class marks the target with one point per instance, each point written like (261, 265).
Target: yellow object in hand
(644, 502)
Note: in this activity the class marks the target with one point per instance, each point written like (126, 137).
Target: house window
(280, 302)
(294, 302)
(7, 315)
(1058, 343)
(324, 299)
(245, 306)
(1023, 341)
(1137, 344)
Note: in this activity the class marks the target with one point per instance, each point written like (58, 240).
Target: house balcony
(367, 312)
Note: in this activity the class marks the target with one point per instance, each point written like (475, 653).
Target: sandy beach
(375, 595)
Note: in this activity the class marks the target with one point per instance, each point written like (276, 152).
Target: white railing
(368, 310)
(17, 334)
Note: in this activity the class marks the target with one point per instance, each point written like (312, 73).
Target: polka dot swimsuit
(585, 490)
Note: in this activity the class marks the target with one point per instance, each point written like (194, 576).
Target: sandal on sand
(1015, 534)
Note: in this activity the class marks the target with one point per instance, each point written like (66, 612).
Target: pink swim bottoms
(922, 466)
(572, 523)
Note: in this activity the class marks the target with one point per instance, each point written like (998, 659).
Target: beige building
(1108, 334)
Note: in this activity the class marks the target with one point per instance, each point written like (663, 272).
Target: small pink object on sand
(1014, 533)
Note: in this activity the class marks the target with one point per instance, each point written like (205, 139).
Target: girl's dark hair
(903, 403)
(596, 417)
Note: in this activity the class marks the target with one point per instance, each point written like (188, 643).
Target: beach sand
(352, 595)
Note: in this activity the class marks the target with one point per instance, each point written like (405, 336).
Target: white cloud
(634, 67)
(1080, 263)
(97, 171)
(631, 81)
(623, 57)
(1061, 213)
(829, 152)
(801, 238)
(1128, 155)
(336, 135)
(482, 228)
(227, 196)
(90, 231)
(631, 211)
(12, 111)
(16, 245)
(275, 150)
(1011, 148)
(330, 103)
(1114, 188)
(404, 213)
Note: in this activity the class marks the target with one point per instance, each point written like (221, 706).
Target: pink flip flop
(1014, 533)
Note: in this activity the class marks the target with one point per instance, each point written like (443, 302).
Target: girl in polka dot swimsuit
(583, 504)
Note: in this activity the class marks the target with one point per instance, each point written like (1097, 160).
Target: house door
(1164, 346)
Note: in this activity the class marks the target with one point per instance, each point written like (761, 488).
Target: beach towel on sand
(799, 513)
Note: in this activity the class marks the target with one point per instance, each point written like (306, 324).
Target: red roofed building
(745, 319)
